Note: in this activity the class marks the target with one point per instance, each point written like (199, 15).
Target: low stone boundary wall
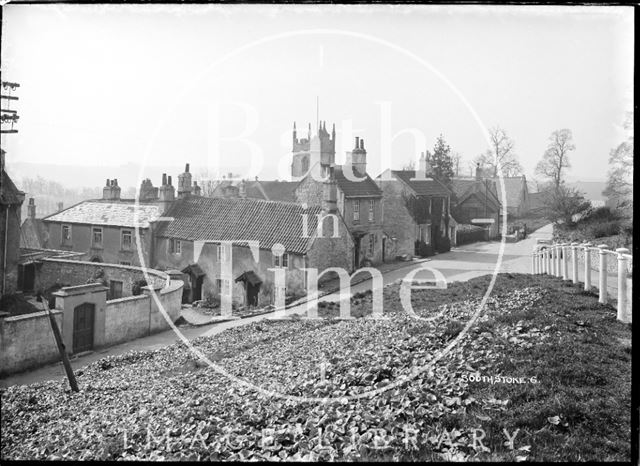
(71, 272)
(27, 341)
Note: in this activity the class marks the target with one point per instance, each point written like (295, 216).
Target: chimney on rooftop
(32, 208)
(60, 204)
(197, 191)
(184, 183)
(479, 172)
(167, 194)
(242, 189)
(111, 191)
(359, 158)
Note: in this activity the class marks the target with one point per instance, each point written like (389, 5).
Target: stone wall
(398, 223)
(70, 273)
(27, 341)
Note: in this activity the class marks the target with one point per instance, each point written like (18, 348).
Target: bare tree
(456, 159)
(556, 157)
(501, 158)
(620, 177)
(411, 165)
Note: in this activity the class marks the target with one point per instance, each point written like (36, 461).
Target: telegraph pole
(8, 115)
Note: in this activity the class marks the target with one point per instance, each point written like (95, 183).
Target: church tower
(307, 151)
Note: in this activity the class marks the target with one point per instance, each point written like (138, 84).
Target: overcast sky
(164, 85)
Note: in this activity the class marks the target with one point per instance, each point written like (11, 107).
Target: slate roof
(33, 234)
(273, 190)
(427, 187)
(226, 219)
(123, 213)
(365, 188)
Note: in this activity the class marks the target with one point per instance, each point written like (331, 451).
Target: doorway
(83, 319)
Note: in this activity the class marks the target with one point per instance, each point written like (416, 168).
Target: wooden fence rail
(554, 259)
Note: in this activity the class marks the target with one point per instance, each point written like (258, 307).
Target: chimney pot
(357, 142)
(169, 180)
(362, 143)
(186, 168)
(164, 179)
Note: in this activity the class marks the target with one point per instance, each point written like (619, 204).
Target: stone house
(416, 209)
(359, 202)
(476, 202)
(11, 199)
(227, 246)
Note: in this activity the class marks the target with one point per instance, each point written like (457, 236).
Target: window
(224, 253)
(115, 289)
(356, 210)
(97, 237)
(126, 239)
(371, 205)
(66, 234)
(224, 286)
(175, 246)
(281, 261)
(372, 243)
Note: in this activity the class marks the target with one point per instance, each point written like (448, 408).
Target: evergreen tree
(441, 161)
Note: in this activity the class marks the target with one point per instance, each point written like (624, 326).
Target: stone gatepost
(68, 298)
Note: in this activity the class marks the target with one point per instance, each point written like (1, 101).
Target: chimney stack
(111, 191)
(479, 172)
(329, 193)
(32, 208)
(197, 191)
(359, 158)
(184, 183)
(167, 194)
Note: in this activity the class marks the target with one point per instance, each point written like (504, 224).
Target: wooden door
(83, 319)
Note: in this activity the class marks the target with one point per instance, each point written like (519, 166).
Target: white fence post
(547, 261)
(553, 260)
(623, 315)
(587, 266)
(603, 273)
(559, 260)
(574, 262)
(565, 261)
(533, 262)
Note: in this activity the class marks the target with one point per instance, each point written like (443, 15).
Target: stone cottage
(234, 246)
(416, 210)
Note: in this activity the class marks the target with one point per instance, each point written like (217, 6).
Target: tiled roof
(114, 213)
(513, 189)
(426, 187)
(273, 190)
(9, 194)
(464, 187)
(226, 219)
(366, 187)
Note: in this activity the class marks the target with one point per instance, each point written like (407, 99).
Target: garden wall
(27, 341)
(71, 272)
